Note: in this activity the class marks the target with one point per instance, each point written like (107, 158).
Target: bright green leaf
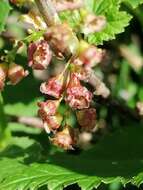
(116, 23)
(121, 162)
(116, 20)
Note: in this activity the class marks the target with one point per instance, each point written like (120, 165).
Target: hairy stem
(48, 11)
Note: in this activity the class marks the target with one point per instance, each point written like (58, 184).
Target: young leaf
(4, 11)
(116, 20)
(116, 23)
(121, 162)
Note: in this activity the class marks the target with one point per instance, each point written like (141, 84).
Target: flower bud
(77, 96)
(3, 75)
(53, 87)
(62, 39)
(52, 123)
(16, 73)
(87, 118)
(65, 139)
(39, 55)
(93, 23)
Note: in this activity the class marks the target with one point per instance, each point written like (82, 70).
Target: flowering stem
(48, 12)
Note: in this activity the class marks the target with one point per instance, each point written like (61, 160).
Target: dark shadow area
(25, 91)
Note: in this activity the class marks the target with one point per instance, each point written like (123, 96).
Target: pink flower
(62, 39)
(48, 113)
(39, 55)
(80, 72)
(90, 57)
(53, 122)
(16, 73)
(53, 87)
(77, 96)
(65, 139)
(48, 108)
(93, 23)
(87, 118)
(3, 75)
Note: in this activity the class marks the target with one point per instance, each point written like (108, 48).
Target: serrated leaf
(101, 6)
(4, 11)
(116, 23)
(134, 3)
(117, 158)
(116, 20)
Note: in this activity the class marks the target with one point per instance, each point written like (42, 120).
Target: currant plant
(66, 40)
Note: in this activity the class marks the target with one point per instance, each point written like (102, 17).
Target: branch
(48, 12)
(120, 107)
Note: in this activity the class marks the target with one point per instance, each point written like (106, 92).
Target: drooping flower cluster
(67, 86)
(60, 41)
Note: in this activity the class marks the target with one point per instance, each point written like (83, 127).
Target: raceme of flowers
(68, 87)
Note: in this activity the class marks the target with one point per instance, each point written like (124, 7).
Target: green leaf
(21, 109)
(116, 20)
(18, 127)
(117, 158)
(101, 6)
(116, 23)
(4, 11)
(134, 3)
